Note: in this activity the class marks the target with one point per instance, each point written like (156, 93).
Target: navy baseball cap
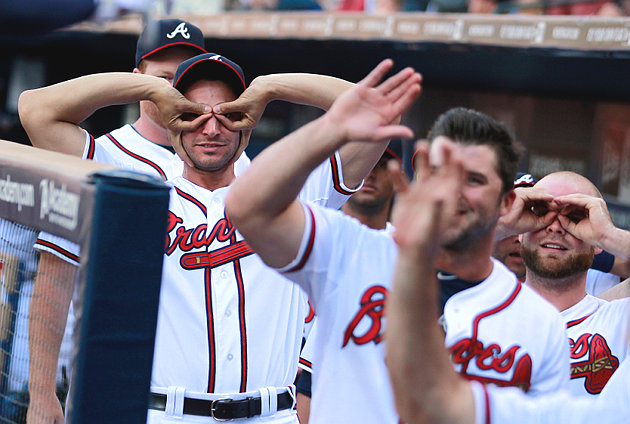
(524, 180)
(394, 150)
(160, 34)
(210, 66)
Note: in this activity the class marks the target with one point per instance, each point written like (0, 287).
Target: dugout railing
(119, 220)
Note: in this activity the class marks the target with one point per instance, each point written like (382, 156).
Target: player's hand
(424, 208)
(366, 111)
(532, 210)
(176, 111)
(44, 410)
(243, 113)
(585, 217)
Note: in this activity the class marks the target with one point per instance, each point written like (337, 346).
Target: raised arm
(587, 218)
(307, 89)
(426, 387)
(52, 293)
(51, 115)
(262, 202)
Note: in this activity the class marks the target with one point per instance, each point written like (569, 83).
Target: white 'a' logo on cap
(181, 29)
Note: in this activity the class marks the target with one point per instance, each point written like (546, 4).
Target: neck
(472, 264)
(375, 218)
(151, 131)
(562, 293)
(210, 180)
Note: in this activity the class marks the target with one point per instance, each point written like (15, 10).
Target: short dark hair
(467, 126)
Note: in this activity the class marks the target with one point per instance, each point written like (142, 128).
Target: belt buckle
(213, 407)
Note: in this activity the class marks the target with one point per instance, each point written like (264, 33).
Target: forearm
(426, 387)
(617, 242)
(52, 293)
(262, 201)
(51, 114)
(620, 291)
(302, 88)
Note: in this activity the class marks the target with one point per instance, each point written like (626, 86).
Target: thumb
(176, 141)
(227, 107)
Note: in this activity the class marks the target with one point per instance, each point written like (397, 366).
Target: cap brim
(177, 44)
(209, 68)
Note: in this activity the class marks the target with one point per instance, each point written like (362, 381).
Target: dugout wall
(119, 219)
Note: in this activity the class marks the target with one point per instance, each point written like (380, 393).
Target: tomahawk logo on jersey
(598, 338)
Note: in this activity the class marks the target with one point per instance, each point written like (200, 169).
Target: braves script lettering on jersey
(495, 405)
(227, 323)
(598, 338)
(505, 327)
(127, 149)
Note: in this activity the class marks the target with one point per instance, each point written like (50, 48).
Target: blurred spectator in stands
(287, 5)
(372, 6)
(599, 8)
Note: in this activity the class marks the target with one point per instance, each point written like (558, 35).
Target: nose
(212, 126)
(555, 227)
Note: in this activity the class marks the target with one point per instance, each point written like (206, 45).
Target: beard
(212, 163)
(557, 269)
(462, 239)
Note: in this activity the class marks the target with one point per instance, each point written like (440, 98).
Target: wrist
(267, 88)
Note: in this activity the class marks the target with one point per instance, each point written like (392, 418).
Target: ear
(597, 250)
(506, 202)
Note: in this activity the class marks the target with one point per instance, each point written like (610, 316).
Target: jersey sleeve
(60, 247)
(494, 405)
(325, 186)
(321, 241)
(598, 282)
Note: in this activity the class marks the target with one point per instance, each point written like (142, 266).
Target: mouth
(553, 246)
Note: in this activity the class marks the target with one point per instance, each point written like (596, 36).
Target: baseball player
(600, 276)
(371, 205)
(229, 327)
(203, 248)
(426, 388)
(130, 147)
(557, 259)
(346, 270)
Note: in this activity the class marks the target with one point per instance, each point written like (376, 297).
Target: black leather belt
(222, 409)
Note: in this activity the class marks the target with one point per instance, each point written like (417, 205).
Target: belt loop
(175, 401)
(273, 400)
(264, 401)
(291, 390)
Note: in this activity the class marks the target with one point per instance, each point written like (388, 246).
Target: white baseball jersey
(227, 323)
(125, 148)
(598, 282)
(599, 332)
(508, 405)
(346, 269)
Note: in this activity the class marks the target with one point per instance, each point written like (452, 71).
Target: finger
(197, 108)
(422, 164)
(398, 176)
(392, 131)
(176, 142)
(377, 74)
(397, 91)
(183, 125)
(229, 107)
(230, 124)
(408, 95)
(395, 80)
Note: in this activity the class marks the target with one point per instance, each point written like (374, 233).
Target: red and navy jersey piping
(136, 156)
